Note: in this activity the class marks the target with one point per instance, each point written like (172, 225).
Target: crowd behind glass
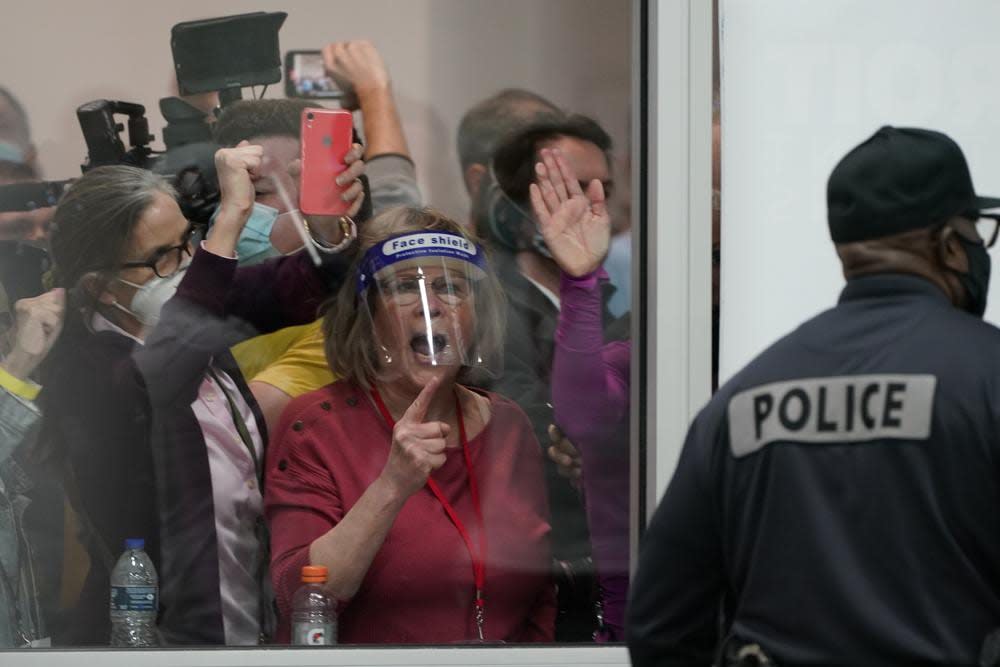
(447, 433)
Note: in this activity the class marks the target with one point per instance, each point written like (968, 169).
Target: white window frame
(672, 343)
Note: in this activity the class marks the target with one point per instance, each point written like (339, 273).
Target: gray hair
(94, 221)
(486, 124)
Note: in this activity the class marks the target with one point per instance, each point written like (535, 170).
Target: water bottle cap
(135, 543)
(314, 574)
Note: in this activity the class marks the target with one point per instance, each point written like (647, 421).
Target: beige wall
(443, 55)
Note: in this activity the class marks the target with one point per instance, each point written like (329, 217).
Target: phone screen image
(306, 76)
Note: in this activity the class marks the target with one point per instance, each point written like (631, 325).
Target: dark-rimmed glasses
(166, 262)
(988, 227)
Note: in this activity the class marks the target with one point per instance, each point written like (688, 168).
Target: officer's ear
(950, 252)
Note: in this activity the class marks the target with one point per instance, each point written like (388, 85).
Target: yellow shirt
(290, 359)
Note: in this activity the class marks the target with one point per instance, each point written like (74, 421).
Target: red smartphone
(326, 140)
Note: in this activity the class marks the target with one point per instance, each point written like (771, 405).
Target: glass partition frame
(671, 158)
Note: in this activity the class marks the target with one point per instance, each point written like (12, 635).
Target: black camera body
(220, 55)
(188, 161)
(103, 133)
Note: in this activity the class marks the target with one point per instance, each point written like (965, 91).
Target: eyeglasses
(166, 262)
(405, 291)
(988, 229)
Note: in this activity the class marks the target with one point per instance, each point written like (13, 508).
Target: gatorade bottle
(314, 611)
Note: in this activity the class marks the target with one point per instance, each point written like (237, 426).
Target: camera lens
(309, 116)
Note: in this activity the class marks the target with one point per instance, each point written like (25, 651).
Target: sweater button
(282, 465)
(352, 401)
(297, 426)
(325, 405)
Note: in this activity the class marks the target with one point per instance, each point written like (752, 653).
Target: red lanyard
(478, 560)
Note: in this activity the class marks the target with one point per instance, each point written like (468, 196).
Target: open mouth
(429, 346)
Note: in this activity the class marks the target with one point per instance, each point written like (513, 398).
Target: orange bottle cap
(314, 574)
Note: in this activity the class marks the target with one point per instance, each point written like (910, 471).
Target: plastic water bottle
(314, 611)
(134, 598)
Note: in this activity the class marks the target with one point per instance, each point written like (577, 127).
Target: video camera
(220, 55)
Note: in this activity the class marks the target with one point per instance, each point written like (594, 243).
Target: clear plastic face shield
(423, 295)
(510, 223)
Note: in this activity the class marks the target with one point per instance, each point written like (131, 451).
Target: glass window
(806, 95)
(784, 76)
(328, 338)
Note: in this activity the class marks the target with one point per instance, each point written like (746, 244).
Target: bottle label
(315, 634)
(133, 598)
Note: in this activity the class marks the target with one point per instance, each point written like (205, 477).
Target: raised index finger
(418, 409)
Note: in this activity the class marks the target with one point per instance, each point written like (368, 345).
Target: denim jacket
(20, 619)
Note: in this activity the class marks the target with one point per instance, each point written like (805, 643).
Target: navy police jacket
(838, 500)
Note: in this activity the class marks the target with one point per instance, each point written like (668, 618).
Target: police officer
(837, 500)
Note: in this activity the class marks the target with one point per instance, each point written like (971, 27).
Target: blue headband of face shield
(410, 246)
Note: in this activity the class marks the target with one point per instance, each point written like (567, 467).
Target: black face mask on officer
(977, 280)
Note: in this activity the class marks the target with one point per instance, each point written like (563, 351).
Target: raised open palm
(575, 224)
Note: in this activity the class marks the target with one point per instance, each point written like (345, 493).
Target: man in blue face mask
(292, 361)
(836, 498)
(274, 126)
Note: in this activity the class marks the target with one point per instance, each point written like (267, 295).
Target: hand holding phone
(326, 140)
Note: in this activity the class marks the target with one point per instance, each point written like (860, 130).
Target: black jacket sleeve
(674, 610)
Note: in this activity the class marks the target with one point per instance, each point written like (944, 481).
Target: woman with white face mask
(152, 423)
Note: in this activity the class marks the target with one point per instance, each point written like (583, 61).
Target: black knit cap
(898, 180)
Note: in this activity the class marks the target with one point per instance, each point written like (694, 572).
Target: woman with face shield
(152, 425)
(424, 498)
